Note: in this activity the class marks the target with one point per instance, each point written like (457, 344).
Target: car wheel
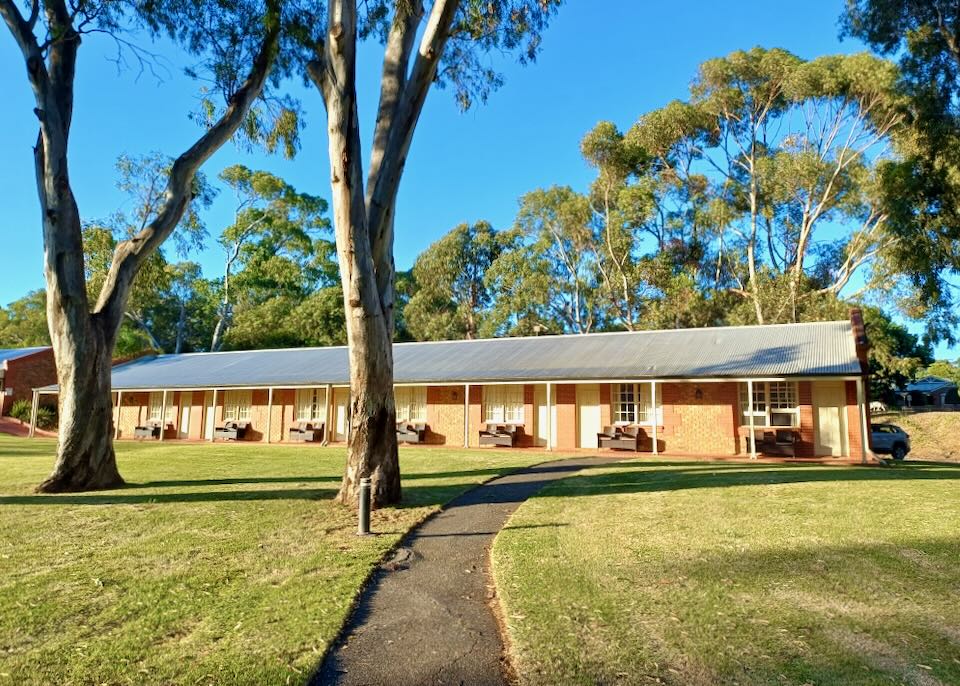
(899, 452)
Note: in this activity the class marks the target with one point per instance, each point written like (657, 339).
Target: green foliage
(944, 369)
(451, 299)
(23, 323)
(47, 417)
(922, 190)
(21, 409)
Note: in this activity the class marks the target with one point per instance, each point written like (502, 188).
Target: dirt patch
(884, 657)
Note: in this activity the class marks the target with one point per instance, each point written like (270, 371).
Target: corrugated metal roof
(14, 353)
(817, 349)
(929, 384)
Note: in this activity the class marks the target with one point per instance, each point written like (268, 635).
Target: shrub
(47, 417)
(21, 410)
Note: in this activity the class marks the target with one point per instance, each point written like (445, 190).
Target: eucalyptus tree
(922, 191)
(275, 241)
(451, 298)
(792, 149)
(441, 43)
(236, 44)
(550, 281)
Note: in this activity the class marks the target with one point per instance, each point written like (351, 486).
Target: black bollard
(363, 523)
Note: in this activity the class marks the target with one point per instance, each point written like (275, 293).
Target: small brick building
(22, 370)
(710, 391)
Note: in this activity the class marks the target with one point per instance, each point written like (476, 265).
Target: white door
(540, 401)
(588, 415)
(183, 426)
(208, 415)
(341, 396)
(830, 404)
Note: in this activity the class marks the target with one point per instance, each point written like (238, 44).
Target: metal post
(33, 413)
(116, 429)
(549, 416)
(864, 436)
(326, 414)
(269, 411)
(163, 414)
(363, 521)
(213, 433)
(653, 401)
(753, 433)
(466, 415)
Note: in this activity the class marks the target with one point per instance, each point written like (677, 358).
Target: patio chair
(779, 443)
(151, 429)
(504, 435)
(625, 438)
(411, 433)
(306, 432)
(231, 431)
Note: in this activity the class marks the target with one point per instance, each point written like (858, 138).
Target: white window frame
(411, 403)
(154, 411)
(631, 404)
(503, 404)
(771, 399)
(310, 403)
(236, 405)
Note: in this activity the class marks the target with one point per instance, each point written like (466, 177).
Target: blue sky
(600, 60)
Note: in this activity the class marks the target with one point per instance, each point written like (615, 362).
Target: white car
(890, 439)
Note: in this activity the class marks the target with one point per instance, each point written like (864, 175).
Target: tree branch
(130, 254)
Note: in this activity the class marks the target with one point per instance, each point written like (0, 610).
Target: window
(632, 405)
(503, 404)
(311, 403)
(774, 404)
(236, 406)
(411, 403)
(156, 402)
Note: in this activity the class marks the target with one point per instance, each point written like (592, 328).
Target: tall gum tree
(83, 334)
(452, 35)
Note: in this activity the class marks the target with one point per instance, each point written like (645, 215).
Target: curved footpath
(426, 615)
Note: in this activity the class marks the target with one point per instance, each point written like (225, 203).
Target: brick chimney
(860, 338)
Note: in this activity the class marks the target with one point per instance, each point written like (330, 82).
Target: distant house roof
(14, 353)
(816, 349)
(930, 384)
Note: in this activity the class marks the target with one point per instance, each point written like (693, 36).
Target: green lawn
(698, 573)
(217, 564)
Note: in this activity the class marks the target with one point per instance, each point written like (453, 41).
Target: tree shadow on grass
(635, 476)
(640, 477)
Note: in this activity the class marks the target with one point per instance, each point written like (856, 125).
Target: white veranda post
(466, 415)
(864, 436)
(213, 411)
(33, 413)
(163, 414)
(656, 414)
(116, 429)
(326, 414)
(753, 433)
(269, 412)
(549, 416)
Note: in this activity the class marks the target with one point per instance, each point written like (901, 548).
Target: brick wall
(26, 373)
(853, 420)
(445, 415)
(566, 399)
(705, 425)
(805, 446)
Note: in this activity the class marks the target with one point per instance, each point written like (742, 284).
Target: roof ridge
(547, 337)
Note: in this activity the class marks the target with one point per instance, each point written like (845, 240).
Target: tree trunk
(85, 456)
(83, 337)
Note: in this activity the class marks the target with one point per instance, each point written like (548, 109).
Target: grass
(933, 435)
(699, 573)
(216, 564)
